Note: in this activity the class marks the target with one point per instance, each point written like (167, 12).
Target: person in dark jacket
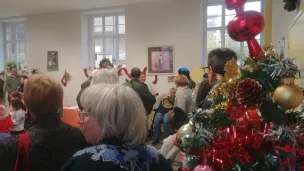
(186, 72)
(114, 121)
(141, 89)
(52, 142)
(217, 60)
(20, 88)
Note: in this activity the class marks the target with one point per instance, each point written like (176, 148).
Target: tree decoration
(86, 72)
(125, 70)
(145, 70)
(11, 64)
(281, 68)
(65, 78)
(291, 5)
(250, 93)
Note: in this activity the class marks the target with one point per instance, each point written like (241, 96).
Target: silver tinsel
(281, 68)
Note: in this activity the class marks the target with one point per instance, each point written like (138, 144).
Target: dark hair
(142, 73)
(135, 72)
(104, 60)
(203, 90)
(178, 120)
(16, 95)
(24, 77)
(218, 58)
(18, 104)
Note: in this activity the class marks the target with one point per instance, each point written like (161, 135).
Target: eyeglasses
(82, 114)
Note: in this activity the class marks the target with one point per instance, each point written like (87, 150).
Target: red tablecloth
(70, 116)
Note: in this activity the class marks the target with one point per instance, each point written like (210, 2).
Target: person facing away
(186, 72)
(162, 116)
(51, 142)
(217, 60)
(20, 88)
(18, 116)
(12, 82)
(141, 89)
(5, 124)
(113, 120)
(183, 96)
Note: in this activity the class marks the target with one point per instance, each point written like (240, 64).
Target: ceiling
(12, 8)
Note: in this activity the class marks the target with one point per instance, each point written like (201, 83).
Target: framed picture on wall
(161, 60)
(52, 61)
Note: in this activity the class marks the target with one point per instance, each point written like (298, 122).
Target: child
(18, 117)
(5, 124)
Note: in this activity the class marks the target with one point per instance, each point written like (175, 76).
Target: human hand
(171, 113)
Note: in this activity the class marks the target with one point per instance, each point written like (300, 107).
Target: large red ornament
(253, 116)
(245, 26)
(234, 4)
(203, 167)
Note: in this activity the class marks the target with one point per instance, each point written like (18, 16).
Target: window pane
(110, 46)
(109, 29)
(110, 21)
(122, 49)
(214, 10)
(20, 35)
(255, 6)
(213, 39)
(10, 32)
(121, 19)
(214, 22)
(21, 47)
(20, 27)
(228, 18)
(98, 21)
(122, 29)
(233, 45)
(229, 12)
(97, 30)
(98, 44)
(11, 51)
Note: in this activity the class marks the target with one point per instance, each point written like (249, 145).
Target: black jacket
(52, 143)
(113, 155)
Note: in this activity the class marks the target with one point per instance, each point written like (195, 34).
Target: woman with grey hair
(113, 119)
(105, 75)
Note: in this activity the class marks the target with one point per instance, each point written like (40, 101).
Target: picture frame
(161, 60)
(171, 79)
(52, 61)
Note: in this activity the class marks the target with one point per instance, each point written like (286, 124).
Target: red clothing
(6, 124)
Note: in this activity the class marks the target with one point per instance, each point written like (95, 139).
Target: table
(70, 116)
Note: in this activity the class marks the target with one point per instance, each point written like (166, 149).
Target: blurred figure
(50, 142)
(142, 77)
(183, 96)
(18, 117)
(186, 72)
(5, 124)
(141, 89)
(114, 121)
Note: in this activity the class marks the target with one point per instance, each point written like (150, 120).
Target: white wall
(175, 22)
(281, 20)
(163, 23)
(57, 32)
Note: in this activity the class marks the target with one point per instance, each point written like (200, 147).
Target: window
(15, 42)
(107, 36)
(215, 28)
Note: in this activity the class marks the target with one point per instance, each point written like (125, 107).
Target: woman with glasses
(49, 142)
(114, 120)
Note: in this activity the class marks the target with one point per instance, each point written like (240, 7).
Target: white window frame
(15, 41)
(104, 36)
(222, 28)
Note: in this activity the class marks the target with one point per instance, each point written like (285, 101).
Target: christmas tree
(254, 123)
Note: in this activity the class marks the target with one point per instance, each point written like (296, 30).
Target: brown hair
(42, 94)
(181, 80)
(16, 95)
(18, 104)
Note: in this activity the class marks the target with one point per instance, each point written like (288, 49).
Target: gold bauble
(288, 95)
(184, 132)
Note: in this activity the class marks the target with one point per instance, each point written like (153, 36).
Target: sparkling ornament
(234, 4)
(203, 167)
(288, 95)
(185, 131)
(250, 93)
(253, 116)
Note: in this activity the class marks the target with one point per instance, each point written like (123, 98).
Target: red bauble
(233, 4)
(253, 117)
(245, 26)
(203, 167)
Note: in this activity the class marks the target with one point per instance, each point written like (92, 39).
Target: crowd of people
(113, 120)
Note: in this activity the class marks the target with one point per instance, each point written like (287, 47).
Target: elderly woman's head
(105, 76)
(113, 111)
(43, 95)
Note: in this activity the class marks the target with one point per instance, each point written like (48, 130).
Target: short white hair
(119, 111)
(105, 76)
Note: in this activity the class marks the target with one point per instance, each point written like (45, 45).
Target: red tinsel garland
(125, 70)
(155, 80)
(145, 70)
(86, 72)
